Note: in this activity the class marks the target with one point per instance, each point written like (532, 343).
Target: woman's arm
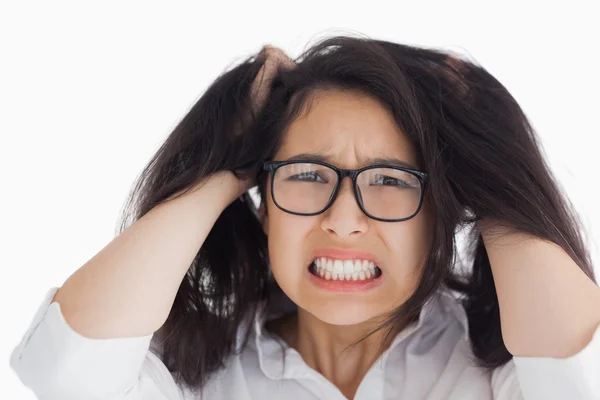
(548, 306)
(128, 288)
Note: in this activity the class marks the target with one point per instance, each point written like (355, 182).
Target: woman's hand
(275, 59)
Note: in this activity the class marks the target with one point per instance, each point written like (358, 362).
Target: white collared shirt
(430, 359)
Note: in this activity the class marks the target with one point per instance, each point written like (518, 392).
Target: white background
(88, 91)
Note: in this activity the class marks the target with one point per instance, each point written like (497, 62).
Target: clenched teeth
(349, 270)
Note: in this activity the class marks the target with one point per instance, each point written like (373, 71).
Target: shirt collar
(271, 352)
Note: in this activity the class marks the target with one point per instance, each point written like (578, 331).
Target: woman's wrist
(223, 187)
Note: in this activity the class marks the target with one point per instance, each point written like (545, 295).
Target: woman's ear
(264, 218)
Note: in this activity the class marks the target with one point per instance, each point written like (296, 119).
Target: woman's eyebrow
(366, 161)
(390, 161)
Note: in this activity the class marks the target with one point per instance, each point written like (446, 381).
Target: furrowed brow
(369, 161)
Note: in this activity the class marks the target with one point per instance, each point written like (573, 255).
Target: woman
(369, 158)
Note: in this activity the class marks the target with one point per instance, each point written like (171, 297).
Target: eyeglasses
(384, 193)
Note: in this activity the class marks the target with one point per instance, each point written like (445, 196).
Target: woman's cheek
(288, 238)
(408, 244)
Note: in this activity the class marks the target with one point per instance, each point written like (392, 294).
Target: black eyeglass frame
(273, 166)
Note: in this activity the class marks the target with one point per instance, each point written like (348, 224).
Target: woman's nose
(344, 217)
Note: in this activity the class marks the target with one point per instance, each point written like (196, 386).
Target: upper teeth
(344, 269)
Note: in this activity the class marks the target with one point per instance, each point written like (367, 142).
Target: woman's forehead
(347, 127)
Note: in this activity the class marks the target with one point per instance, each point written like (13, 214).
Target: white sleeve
(549, 378)
(57, 363)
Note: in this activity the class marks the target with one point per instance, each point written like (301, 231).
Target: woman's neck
(322, 346)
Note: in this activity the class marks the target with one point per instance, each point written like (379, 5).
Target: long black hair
(481, 153)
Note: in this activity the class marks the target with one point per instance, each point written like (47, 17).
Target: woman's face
(347, 129)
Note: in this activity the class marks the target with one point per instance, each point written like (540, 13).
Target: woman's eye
(389, 181)
(308, 176)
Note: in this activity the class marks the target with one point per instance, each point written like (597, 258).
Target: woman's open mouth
(353, 276)
(355, 270)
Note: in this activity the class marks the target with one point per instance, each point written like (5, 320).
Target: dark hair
(470, 136)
